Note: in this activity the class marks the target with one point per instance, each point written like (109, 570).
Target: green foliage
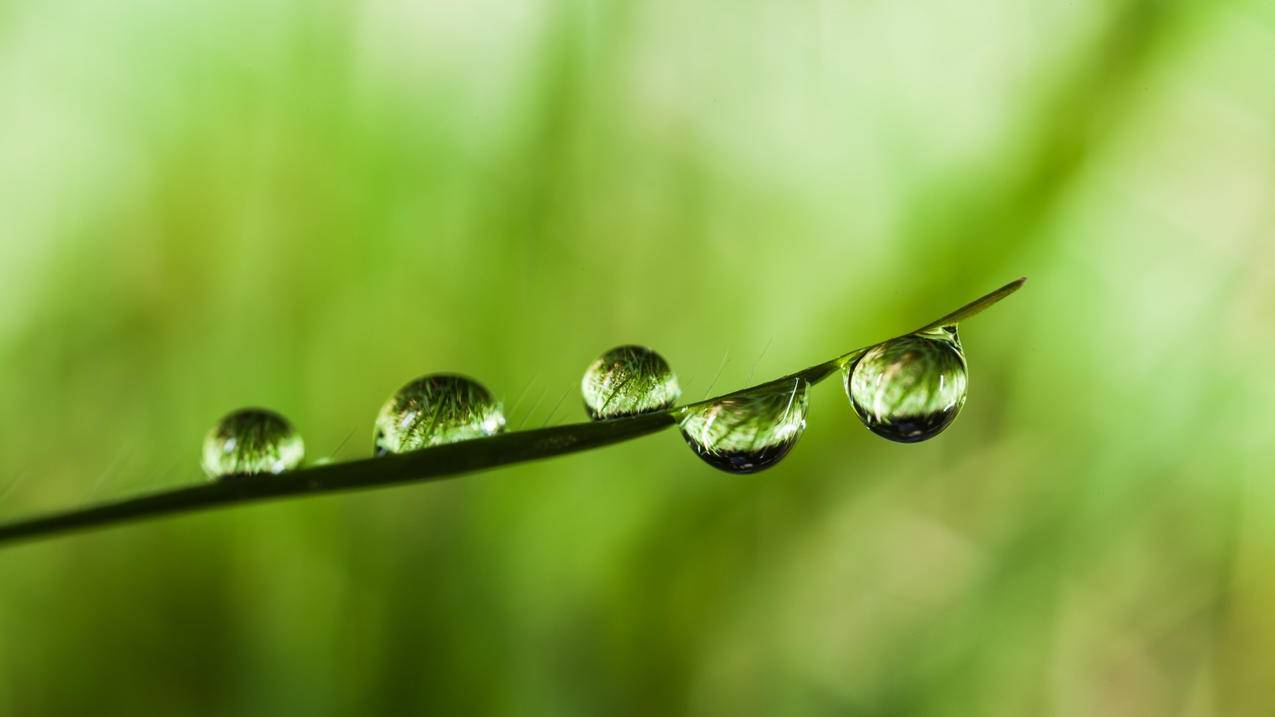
(743, 432)
(221, 203)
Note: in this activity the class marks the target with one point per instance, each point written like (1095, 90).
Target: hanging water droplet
(911, 388)
(250, 441)
(627, 381)
(750, 431)
(436, 409)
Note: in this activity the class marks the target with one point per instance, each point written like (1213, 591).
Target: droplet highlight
(628, 381)
(436, 409)
(252, 441)
(749, 431)
(911, 388)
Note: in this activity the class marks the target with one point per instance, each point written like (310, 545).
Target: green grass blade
(429, 464)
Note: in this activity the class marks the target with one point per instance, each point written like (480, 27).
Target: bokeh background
(303, 204)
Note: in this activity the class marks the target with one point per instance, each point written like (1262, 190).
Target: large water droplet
(749, 431)
(909, 389)
(249, 441)
(436, 409)
(627, 381)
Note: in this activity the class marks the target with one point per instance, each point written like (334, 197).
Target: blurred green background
(303, 204)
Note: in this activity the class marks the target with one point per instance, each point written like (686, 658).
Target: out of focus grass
(302, 205)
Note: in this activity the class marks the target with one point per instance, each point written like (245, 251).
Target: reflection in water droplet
(436, 409)
(748, 432)
(250, 441)
(911, 388)
(628, 381)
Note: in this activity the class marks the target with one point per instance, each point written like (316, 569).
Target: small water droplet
(750, 431)
(251, 441)
(628, 381)
(436, 409)
(911, 388)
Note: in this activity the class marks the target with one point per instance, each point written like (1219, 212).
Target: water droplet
(750, 431)
(436, 409)
(250, 441)
(627, 381)
(909, 389)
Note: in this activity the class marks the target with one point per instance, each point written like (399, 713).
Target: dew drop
(628, 381)
(749, 431)
(911, 388)
(436, 409)
(251, 441)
